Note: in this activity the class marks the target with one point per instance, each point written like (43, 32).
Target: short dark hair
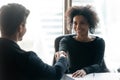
(11, 16)
(85, 11)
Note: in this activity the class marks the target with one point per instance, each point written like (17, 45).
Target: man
(15, 63)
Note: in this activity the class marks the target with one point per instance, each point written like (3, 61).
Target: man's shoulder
(26, 54)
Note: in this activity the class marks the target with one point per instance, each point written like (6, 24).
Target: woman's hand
(79, 73)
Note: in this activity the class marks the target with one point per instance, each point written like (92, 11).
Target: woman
(85, 51)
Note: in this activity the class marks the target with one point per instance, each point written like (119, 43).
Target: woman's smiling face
(80, 25)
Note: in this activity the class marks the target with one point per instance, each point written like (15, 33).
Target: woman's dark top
(84, 55)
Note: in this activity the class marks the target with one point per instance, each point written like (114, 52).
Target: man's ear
(21, 27)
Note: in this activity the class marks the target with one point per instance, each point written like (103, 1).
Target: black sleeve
(63, 45)
(40, 70)
(99, 61)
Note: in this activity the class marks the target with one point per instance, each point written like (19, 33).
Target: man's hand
(79, 73)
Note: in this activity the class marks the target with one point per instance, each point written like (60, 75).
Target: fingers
(76, 74)
(79, 73)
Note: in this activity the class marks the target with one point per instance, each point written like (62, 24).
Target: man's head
(12, 19)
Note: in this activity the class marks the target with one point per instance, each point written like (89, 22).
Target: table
(94, 76)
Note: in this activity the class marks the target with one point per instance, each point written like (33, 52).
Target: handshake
(60, 54)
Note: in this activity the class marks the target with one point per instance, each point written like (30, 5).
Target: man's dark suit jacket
(17, 64)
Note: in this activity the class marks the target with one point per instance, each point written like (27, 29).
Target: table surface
(94, 76)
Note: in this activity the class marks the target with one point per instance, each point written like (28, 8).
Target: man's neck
(13, 38)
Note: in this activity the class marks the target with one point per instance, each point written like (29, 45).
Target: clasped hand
(60, 54)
